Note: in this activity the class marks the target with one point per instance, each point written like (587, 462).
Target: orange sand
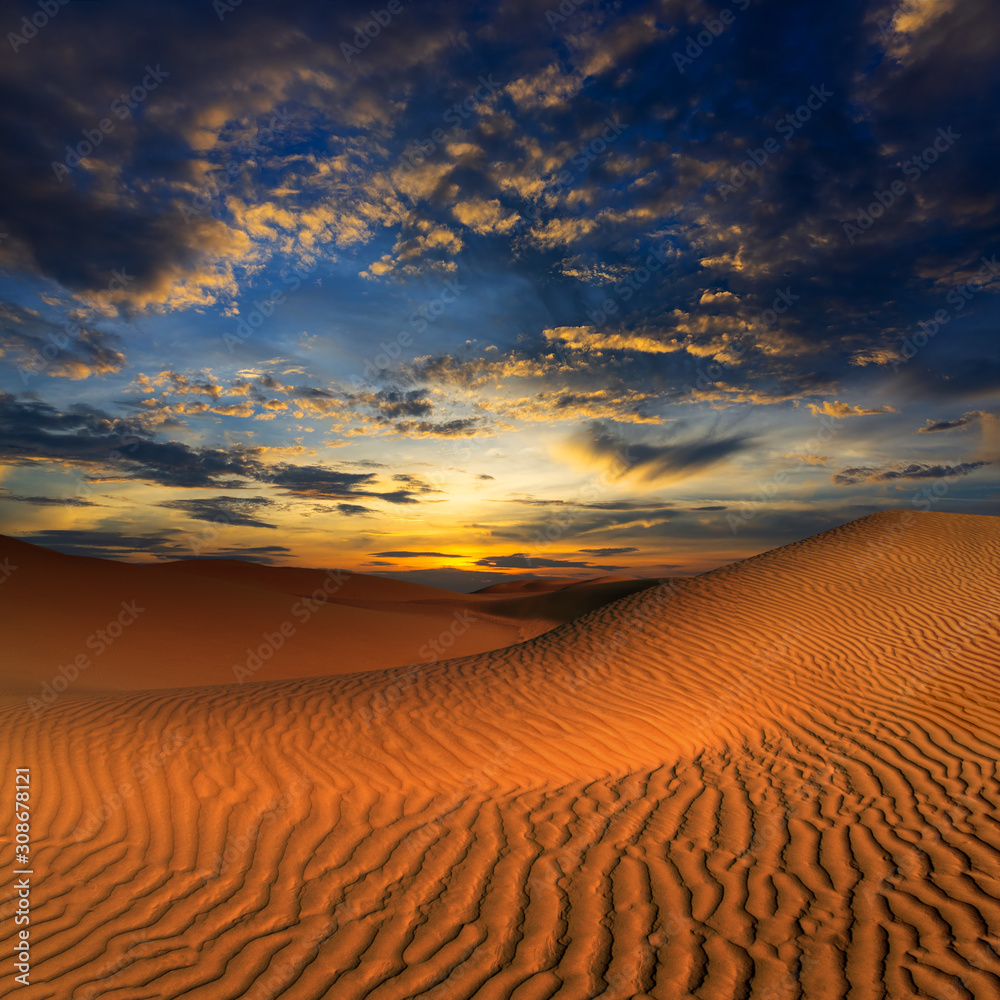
(777, 780)
(204, 622)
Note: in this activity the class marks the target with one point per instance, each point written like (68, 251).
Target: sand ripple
(779, 780)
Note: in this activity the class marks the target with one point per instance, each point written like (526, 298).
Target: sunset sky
(465, 291)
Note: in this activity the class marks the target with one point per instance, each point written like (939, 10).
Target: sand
(778, 779)
(221, 621)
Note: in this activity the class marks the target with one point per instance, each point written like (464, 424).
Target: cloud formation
(600, 447)
(889, 473)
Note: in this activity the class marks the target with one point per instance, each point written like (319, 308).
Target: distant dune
(776, 780)
(215, 621)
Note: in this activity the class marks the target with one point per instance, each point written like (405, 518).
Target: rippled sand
(779, 779)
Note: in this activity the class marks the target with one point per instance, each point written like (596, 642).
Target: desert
(776, 779)
(499, 500)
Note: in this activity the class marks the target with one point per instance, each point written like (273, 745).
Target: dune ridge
(779, 779)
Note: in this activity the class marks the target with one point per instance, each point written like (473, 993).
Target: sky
(463, 292)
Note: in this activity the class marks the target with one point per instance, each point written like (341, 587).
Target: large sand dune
(778, 780)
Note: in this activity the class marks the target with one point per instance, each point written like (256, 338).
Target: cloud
(248, 553)
(72, 350)
(224, 510)
(839, 410)
(462, 581)
(512, 184)
(587, 338)
(107, 544)
(180, 385)
(319, 482)
(121, 449)
(484, 216)
(521, 560)
(551, 87)
(562, 232)
(88, 438)
(48, 501)
(599, 447)
(904, 28)
(166, 545)
(460, 427)
(617, 403)
(966, 420)
(403, 554)
(604, 553)
(881, 356)
(354, 509)
(392, 403)
(423, 250)
(889, 472)
(630, 505)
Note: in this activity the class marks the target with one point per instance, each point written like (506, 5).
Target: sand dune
(779, 779)
(203, 622)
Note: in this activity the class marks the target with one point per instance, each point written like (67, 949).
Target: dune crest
(779, 779)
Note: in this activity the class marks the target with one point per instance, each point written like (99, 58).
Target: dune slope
(779, 780)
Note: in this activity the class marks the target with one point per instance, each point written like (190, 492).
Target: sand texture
(776, 780)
